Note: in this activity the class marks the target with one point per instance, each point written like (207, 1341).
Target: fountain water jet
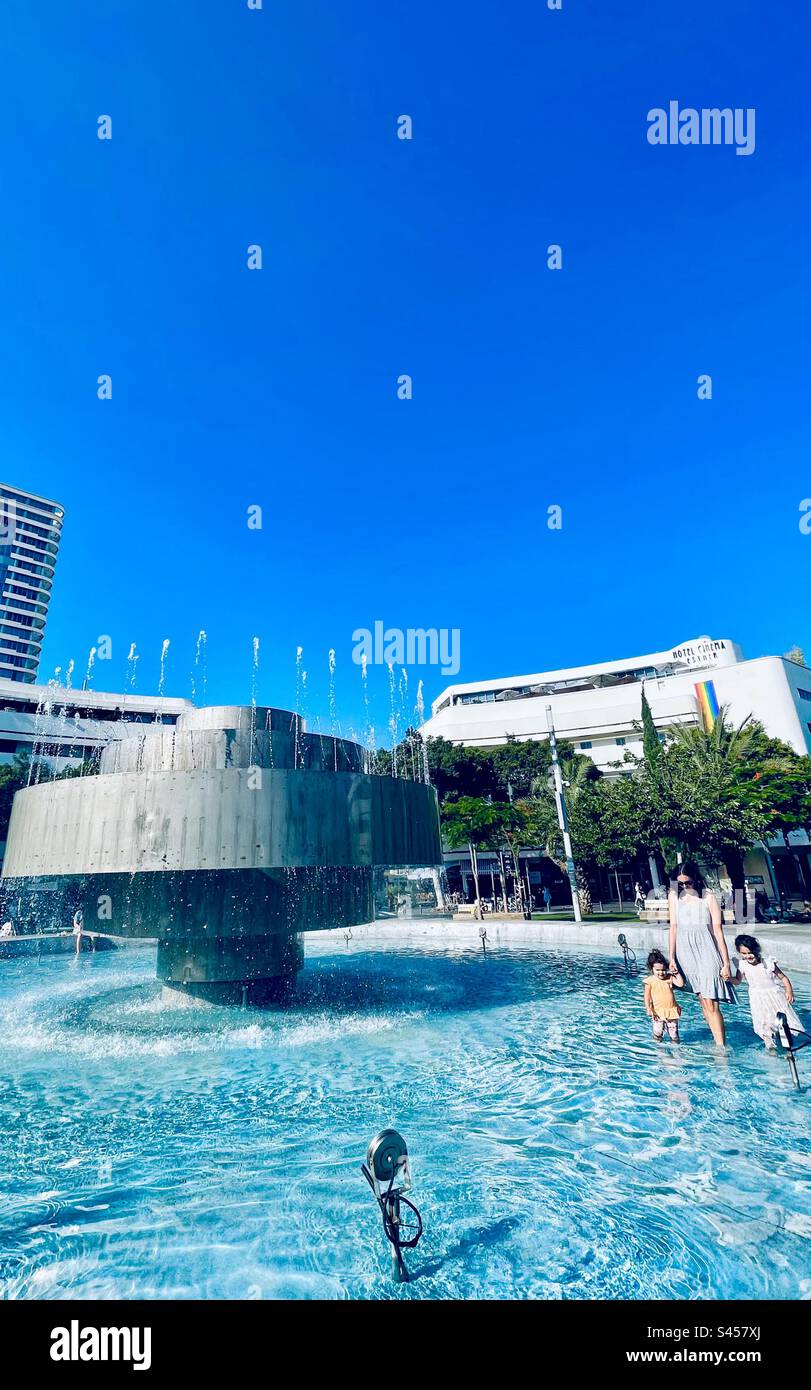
(132, 664)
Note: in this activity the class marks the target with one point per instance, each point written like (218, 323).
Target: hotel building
(30, 528)
(597, 709)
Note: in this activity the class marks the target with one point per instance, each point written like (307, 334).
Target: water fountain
(224, 836)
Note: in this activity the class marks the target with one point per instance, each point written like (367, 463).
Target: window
(7, 645)
(804, 694)
(620, 742)
(585, 745)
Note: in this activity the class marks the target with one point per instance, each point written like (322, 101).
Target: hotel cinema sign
(703, 652)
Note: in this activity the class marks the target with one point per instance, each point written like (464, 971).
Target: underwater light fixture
(388, 1173)
(628, 955)
(793, 1047)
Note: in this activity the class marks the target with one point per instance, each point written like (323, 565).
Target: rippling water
(153, 1147)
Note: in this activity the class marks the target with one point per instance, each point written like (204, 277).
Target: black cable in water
(402, 1234)
(793, 1047)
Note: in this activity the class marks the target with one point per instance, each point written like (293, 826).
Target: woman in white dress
(770, 992)
(697, 946)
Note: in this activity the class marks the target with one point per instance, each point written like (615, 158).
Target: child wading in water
(770, 992)
(660, 1002)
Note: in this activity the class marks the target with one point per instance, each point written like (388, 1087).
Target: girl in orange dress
(660, 1001)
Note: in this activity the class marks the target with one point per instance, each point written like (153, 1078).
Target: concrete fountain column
(226, 837)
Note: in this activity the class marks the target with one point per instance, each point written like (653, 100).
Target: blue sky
(428, 257)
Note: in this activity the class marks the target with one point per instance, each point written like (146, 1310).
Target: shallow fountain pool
(153, 1147)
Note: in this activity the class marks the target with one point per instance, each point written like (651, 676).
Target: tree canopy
(709, 794)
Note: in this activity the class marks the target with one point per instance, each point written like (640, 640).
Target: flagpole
(563, 819)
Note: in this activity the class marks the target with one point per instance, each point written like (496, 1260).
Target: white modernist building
(598, 708)
(62, 727)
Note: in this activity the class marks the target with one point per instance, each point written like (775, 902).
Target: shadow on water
(451, 983)
(477, 1239)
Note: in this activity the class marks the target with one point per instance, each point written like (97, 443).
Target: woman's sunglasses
(685, 882)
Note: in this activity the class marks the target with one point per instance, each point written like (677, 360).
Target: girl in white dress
(770, 992)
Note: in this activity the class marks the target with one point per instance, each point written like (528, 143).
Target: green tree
(406, 759)
(516, 831)
(13, 776)
(651, 743)
(780, 786)
(456, 771)
(476, 823)
(616, 810)
(517, 764)
(718, 791)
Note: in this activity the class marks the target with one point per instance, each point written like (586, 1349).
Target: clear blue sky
(427, 257)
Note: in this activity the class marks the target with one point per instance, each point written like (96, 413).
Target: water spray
(162, 680)
(333, 719)
(91, 658)
(393, 726)
(388, 1173)
(628, 955)
(254, 680)
(132, 664)
(299, 654)
(198, 675)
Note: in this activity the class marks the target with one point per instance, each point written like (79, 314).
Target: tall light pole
(563, 819)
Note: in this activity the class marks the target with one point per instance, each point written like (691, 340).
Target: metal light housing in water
(387, 1159)
(388, 1174)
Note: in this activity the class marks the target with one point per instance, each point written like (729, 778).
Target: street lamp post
(563, 819)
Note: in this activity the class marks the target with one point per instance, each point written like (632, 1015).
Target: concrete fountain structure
(225, 836)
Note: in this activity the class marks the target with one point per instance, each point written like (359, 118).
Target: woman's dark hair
(656, 958)
(691, 870)
(750, 942)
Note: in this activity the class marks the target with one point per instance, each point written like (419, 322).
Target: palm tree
(720, 747)
(726, 787)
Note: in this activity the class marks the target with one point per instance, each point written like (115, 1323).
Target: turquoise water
(153, 1147)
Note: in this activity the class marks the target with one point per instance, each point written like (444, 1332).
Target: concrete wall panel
(159, 821)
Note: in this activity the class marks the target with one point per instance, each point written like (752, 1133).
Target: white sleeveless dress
(697, 954)
(767, 998)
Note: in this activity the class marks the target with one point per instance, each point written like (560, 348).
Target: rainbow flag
(707, 703)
